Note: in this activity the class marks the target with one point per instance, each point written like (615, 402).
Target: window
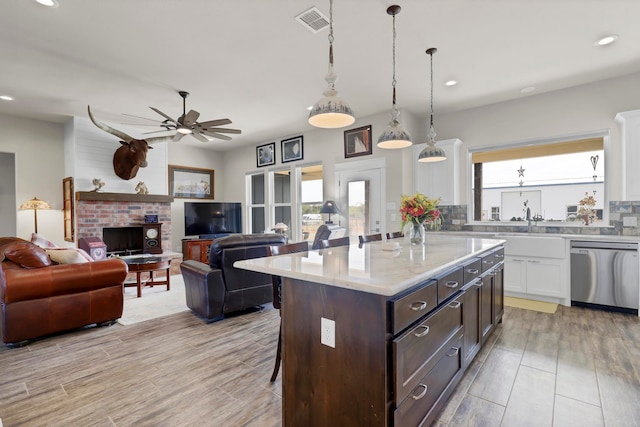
(540, 177)
(292, 196)
(495, 213)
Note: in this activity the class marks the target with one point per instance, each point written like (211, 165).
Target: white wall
(8, 194)
(576, 110)
(38, 146)
(182, 155)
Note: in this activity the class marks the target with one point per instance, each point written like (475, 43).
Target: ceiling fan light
(432, 153)
(184, 131)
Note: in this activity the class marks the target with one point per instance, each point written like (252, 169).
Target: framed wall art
(190, 183)
(292, 149)
(357, 142)
(266, 154)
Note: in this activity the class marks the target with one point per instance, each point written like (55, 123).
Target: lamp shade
(329, 207)
(280, 226)
(432, 153)
(35, 203)
(394, 136)
(331, 111)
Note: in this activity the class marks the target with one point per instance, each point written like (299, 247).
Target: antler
(123, 136)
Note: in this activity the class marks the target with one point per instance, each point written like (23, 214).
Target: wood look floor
(577, 367)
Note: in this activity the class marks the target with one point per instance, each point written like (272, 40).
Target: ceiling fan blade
(199, 137)
(157, 131)
(190, 118)
(219, 122)
(216, 135)
(178, 136)
(140, 117)
(223, 130)
(164, 115)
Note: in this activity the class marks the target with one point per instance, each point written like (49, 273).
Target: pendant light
(394, 135)
(432, 153)
(331, 111)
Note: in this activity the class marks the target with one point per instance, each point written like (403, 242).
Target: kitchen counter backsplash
(454, 218)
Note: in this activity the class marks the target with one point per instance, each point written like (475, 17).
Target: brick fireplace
(95, 211)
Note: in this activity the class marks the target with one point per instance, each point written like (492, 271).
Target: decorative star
(520, 172)
(521, 184)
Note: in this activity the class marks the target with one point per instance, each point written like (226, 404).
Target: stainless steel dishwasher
(605, 275)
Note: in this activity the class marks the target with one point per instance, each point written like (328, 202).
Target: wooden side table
(142, 264)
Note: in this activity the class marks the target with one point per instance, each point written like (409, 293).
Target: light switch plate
(629, 221)
(328, 332)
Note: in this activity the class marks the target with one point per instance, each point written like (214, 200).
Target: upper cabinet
(630, 121)
(439, 179)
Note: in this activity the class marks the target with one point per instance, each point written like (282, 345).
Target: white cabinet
(536, 267)
(630, 121)
(439, 179)
(535, 276)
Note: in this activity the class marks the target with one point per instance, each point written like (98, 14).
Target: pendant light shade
(394, 136)
(432, 153)
(331, 111)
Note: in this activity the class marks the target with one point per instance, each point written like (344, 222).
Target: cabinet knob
(422, 393)
(418, 305)
(453, 352)
(423, 333)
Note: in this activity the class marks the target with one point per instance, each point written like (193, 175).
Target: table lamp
(35, 204)
(280, 228)
(329, 207)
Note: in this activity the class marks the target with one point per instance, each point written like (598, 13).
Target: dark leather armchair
(327, 232)
(219, 288)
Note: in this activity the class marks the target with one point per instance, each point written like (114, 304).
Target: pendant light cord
(393, 52)
(431, 120)
(330, 35)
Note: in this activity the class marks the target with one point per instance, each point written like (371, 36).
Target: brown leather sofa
(219, 288)
(38, 298)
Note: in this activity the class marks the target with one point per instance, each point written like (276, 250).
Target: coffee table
(148, 264)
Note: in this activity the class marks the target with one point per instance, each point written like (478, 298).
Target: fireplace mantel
(122, 197)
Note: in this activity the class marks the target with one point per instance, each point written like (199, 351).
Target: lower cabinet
(535, 276)
(196, 249)
(471, 319)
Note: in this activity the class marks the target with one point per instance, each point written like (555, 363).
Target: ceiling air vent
(313, 19)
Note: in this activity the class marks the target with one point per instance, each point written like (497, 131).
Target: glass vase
(417, 233)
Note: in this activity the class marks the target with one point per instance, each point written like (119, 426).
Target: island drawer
(419, 404)
(472, 270)
(415, 352)
(449, 284)
(409, 308)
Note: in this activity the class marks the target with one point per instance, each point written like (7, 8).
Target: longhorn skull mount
(132, 154)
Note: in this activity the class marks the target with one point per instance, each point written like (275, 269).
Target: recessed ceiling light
(48, 3)
(451, 83)
(310, 107)
(606, 40)
(6, 98)
(527, 89)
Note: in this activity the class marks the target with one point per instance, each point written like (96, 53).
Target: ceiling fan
(187, 124)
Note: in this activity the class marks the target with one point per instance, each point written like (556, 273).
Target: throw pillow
(27, 255)
(68, 255)
(42, 241)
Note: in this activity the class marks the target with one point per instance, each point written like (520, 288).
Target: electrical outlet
(328, 332)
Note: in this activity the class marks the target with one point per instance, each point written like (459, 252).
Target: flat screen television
(207, 218)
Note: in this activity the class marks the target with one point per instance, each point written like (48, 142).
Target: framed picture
(67, 209)
(190, 183)
(266, 154)
(292, 149)
(357, 142)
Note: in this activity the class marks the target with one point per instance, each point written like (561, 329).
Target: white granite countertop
(371, 268)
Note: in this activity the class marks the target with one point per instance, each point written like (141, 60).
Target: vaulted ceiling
(253, 62)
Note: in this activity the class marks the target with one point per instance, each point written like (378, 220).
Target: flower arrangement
(586, 208)
(419, 209)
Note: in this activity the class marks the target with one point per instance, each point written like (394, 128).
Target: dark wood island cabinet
(381, 338)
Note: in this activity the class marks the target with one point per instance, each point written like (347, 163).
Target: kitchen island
(373, 336)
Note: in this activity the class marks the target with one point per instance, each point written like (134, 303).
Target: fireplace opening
(122, 240)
